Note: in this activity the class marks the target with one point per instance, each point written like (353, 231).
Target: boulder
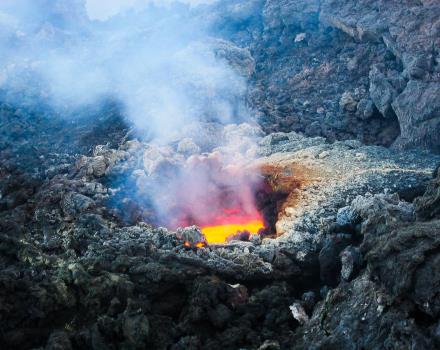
(75, 203)
(428, 205)
(347, 102)
(382, 92)
(406, 262)
(351, 261)
(418, 111)
(299, 313)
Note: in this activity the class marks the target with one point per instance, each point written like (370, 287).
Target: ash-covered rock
(320, 178)
(394, 301)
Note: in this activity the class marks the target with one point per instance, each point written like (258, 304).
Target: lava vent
(225, 200)
(221, 200)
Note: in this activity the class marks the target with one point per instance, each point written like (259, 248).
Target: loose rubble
(353, 253)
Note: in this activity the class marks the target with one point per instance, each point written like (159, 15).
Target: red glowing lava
(214, 193)
(221, 233)
(224, 227)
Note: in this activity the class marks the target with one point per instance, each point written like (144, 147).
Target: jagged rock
(309, 300)
(347, 102)
(277, 15)
(239, 58)
(351, 261)
(238, 296)
(58, 341)
(382, 211)
(99, 166)
(418, 111)
(330, 265)
(135, 327)
(270, 345)
(382, 92)
(346, 216)
(428, 206)
(299, 313)
(191, 236)
(366, 108)
(415, 271)
(75, 203)
(353, 311)
(400, 254)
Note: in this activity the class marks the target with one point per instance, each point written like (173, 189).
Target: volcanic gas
(234, 224)
(225, 198)
(223, 211)
(221, 201)
(211, 191)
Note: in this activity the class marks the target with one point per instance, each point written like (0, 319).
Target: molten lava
(221, 233)
(197, 245)
(215, 193)
(232, 223)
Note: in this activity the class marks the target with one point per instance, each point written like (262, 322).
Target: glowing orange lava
(197, 245)
(219, 234)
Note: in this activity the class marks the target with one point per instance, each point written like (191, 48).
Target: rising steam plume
(157, 58)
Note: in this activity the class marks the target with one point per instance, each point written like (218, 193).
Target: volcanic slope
(76, 274)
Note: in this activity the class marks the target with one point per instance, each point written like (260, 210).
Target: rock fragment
(351, 261)
(347, 102)
(299, 313)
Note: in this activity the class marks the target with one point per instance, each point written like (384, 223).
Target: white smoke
(153, 56)
(104, 9)
(158, 60)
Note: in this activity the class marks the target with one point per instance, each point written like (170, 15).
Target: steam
(105, 9)
(157, 58)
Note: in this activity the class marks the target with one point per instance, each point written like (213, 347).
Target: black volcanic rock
(418, 111)
(394, 302)
(428, 205)
(308, 54)
(356, 263)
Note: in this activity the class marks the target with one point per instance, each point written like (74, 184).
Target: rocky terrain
(345, 138)
(367, 70)
(75, 274)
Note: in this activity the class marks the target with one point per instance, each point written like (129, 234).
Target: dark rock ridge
(394, 302)
(342, 69)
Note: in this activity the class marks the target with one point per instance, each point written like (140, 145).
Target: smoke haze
(159, 61)
(156, 59)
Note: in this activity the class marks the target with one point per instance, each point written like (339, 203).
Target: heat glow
(219, 234)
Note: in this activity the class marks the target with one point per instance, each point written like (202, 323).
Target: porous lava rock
(353, 258)
(76, 272)
(393, 302)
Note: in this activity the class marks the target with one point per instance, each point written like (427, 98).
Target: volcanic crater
(230, 174)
